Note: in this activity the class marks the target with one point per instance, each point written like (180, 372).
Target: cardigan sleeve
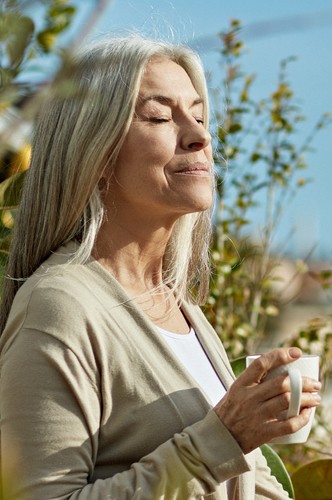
(50, 418)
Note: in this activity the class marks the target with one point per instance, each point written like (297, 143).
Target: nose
(194, 136)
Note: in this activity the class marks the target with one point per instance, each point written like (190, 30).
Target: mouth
(194, 169)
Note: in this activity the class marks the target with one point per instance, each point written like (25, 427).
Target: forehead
(165, 77)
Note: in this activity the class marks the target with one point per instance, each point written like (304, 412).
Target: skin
(253, 409)
(164, 168)
(163, 172)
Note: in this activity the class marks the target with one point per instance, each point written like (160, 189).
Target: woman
(113, 384)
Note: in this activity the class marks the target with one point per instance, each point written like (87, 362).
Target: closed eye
(159, 120)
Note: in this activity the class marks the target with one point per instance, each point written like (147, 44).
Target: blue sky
(300, 28)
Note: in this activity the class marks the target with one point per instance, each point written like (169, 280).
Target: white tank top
(190, 352)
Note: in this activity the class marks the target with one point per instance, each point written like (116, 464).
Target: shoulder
(65, 300)
(59, 298)
(61, 290)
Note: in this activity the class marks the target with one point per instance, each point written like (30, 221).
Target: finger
(309, 400)
(258, 369)
(291, 425)
(310, 385)
(277, 407)
(272, 387)
(280, 387)
(280, 384)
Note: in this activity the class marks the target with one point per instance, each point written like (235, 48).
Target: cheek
(151, 157)
(145, 151)
(157, 148)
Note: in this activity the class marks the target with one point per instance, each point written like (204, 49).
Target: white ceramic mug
(308, 366)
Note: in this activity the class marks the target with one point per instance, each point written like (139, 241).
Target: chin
(204, 202)
(200, 206)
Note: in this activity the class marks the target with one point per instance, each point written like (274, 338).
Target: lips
(194, 168)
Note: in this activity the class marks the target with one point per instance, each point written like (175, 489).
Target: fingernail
(317, 398)
(294, 352)
(317, 386)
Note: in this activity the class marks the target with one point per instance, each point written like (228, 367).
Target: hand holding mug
(305, 366)
(255, 407)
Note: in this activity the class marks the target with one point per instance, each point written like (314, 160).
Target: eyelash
(159, 120)
(165, 120)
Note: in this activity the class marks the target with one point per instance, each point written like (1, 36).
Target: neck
(133, 255)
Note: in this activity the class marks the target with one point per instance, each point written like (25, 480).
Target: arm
(50, 412)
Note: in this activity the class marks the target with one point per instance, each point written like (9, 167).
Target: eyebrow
(162, 99)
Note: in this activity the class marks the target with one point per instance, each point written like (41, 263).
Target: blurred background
(271, 31)
(272, 244)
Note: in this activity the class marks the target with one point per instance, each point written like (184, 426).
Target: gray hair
(78, 134)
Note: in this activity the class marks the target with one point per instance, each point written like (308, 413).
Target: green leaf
(326, 274)
(46, 40)
(240, 110)
(235, 127)
(238, 365)
(19, 36)
(279, 470)
(10, 191)
(6, 77)
(3, 263)
(5, 25)
(237, 265)
(255, 157)
(60, 17)
(58, 10)
(313, 480)
(5, 244)
(222, 134)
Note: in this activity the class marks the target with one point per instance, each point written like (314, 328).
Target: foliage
(263, 162)
(258, 159)
(260, 162)
(314, 480)
(23, 46)
(30, 33)
(21, 43)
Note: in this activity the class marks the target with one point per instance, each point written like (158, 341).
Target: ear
(103, 184)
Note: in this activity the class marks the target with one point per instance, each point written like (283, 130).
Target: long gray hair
(79, 132)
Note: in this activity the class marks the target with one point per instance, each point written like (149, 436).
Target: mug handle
(296, 392)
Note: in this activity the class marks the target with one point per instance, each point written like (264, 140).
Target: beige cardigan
(94, 405)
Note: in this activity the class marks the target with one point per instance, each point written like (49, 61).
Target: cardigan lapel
(211, 344)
